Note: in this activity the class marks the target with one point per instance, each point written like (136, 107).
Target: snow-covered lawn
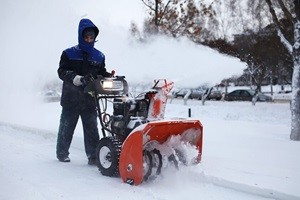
(247, 154)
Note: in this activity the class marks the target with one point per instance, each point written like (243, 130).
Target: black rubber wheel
(147, 165)
(157, 160)
(108, 155)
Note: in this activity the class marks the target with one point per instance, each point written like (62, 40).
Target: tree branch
(285, 42)
(297, 9)
(280, 30)
(274, 16)
(148, 5)
(163, 13)
(286, 12)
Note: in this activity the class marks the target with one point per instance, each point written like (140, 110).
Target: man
(76, 66)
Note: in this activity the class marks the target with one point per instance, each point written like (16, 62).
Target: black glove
(87, 79)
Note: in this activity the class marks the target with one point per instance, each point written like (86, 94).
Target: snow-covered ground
(247, 154)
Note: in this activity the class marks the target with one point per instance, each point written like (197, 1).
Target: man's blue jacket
(82, 59)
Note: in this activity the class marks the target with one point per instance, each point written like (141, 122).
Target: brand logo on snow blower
(129, 167)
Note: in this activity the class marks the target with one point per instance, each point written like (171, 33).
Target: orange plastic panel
(131, 158)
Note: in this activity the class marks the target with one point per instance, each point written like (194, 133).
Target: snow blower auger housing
(136, 139)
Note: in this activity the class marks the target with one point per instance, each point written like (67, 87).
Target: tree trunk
(271, 84)
(295, 107)
(156, 13)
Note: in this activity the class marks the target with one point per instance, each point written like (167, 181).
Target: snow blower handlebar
(105, 88)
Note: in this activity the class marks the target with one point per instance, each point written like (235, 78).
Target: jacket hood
(83, 45)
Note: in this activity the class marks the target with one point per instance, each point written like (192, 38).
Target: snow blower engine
(136, 139)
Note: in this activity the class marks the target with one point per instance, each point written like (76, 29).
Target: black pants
(68, 121)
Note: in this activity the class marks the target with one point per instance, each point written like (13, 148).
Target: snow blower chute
(136, 139)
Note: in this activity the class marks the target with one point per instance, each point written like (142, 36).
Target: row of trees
(268, 61)
(268, 38)
(212, 25)
(175, 18)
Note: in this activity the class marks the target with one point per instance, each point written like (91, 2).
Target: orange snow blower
(136, 139)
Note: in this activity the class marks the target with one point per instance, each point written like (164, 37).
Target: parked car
(198, 93)
(246, 95)
(195, 93)
(215, 94)
(180, 93)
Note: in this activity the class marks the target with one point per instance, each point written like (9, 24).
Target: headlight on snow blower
(112, 85)
(108, 86)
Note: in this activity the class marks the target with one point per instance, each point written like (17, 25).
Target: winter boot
(64, 159)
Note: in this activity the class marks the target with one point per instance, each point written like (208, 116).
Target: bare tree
(291, 11)
(158, 10)
(177, 18)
